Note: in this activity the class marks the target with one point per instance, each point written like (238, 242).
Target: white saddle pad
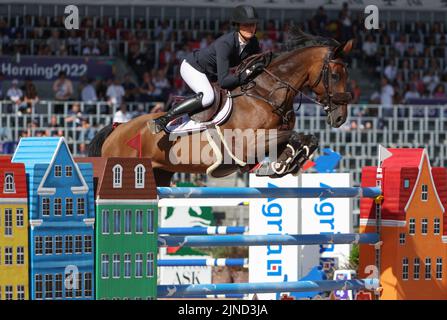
(185, 124)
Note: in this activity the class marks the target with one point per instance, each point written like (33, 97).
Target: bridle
(330, 98)
(330, 101)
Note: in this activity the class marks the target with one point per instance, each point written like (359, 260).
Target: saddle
(221, 95)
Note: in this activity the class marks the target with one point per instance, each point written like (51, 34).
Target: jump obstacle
(235, 262)
(202, 230)
(256, 193)
(233, 237)
(178, 291)
(264, 240)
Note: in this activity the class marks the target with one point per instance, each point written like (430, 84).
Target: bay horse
(267, 103)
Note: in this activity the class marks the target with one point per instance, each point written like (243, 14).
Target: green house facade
(126, 231)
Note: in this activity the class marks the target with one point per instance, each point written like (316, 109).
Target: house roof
(128, 190)
(42, 150)
(404, 163)
(36, 150)
(18, 169)
(404, 157)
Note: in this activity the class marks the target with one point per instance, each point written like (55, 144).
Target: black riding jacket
(221, 55)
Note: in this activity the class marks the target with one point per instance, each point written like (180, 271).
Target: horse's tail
(95, 146)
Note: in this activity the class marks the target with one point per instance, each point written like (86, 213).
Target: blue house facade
(61, 217)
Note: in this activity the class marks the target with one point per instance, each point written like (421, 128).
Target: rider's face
(247, 30)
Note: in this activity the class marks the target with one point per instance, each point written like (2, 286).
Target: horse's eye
(335, 76)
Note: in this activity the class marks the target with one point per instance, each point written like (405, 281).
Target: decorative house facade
(412, 224)
(13, 231)
(61, 217)
(126, 230)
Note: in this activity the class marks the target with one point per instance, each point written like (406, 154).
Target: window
(69, 277)
(38, 245)
(128, 221)
(45, 206)
(48, 245)
(19, 217)
(127, 265)
(81, 206)
(416, 268)
(58, 171)
(116, 221)
(424, 194)
(88, 244)
(437, 226)
(405, 269)
(150, 221)
(88, 285)
(58, 207)
(68, 244)
(139, 176)
(68, 171)
(8, 222)
(58, 244)
(105, 222)
(427, 268)
(439, 268)
(20, 292)
(68, 206)
(406, 183)
(48, 286)
(116, 265)
(138, 221)
(8, 292)
(424, 226)
(104, 266)
(378, 183)
(412, 226)
(58, 286)
(9, 183)
(79, 286)
(38, 286)
(8, 255)
(150, 265)
(402, 238)
(78, 244)
(20, 255)
(138, 265)
(117, 176)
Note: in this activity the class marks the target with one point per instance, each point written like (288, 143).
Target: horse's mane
(298, 39)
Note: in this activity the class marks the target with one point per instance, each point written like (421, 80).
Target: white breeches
(198, 82)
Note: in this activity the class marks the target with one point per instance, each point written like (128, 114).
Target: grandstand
(398, 72)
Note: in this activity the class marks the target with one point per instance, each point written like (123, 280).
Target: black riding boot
(189, 106)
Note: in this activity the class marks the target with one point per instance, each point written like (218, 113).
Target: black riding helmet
(244, 14)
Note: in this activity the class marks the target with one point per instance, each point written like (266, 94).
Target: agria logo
(72, 19)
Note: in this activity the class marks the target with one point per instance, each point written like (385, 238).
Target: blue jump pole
(236, 262)
(202, 230)
(217, 192)
(263, 240)
(177, 291)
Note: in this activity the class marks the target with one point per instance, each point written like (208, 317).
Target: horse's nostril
(339, 119)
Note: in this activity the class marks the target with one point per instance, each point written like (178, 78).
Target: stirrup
(155, 127)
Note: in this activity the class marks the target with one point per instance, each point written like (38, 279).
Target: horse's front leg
(298, 150)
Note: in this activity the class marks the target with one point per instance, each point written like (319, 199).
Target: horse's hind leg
(162, 177)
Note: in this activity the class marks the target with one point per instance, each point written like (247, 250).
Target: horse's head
(328, 80)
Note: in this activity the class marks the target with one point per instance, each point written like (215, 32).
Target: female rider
(213, 63)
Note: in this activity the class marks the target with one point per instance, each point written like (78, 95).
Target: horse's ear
(343, 49)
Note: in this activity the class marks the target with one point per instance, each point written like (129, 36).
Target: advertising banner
(324, 216)
(273, 263)
(48, 68)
